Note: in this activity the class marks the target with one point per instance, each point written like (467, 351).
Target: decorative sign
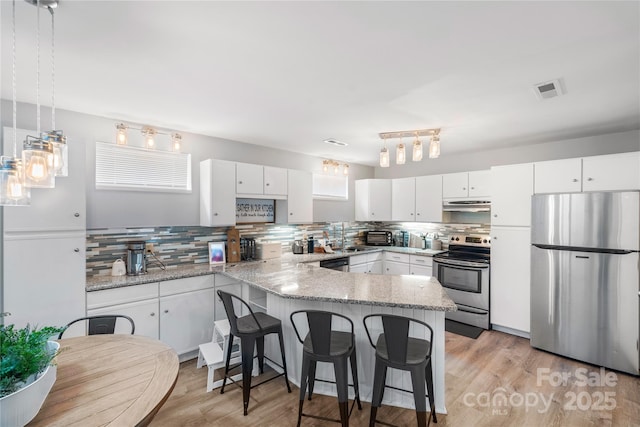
(255, 210)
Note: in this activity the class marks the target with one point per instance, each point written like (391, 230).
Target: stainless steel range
(464, 272)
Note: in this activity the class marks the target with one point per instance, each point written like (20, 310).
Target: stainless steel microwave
(379, 238)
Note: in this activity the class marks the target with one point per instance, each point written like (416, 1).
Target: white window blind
(121, 167)
(333, 187)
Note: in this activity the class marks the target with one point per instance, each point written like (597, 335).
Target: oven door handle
(463, 264)
(471, 310)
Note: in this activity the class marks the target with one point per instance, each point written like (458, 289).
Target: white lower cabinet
(510, 277)
(144, 314)
(186, 319)
(393, 267)
(421, 265)
(366, 263)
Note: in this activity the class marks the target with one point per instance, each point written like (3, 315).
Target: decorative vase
(21, 406)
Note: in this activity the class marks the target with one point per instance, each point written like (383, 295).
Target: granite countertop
(294, 276)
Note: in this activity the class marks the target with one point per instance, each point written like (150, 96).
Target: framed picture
(216, 253)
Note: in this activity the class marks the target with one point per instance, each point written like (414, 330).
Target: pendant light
(417, 149)
(401, 155)
(56, 137)
(345, 169)
(37, 154)
(176, 142)
(12, 189)
(384, 155)
(121, 134)
(149, 137)
(434, 147)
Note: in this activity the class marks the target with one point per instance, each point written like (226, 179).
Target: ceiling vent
(336, 142)
(549, 89)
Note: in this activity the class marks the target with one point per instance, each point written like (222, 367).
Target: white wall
(136, 209)
(580, 147)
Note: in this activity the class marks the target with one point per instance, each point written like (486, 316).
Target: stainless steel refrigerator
(585, 285)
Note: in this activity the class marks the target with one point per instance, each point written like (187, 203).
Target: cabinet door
(44, 279)
(429, 198)
(511, 198)
(359, 268)
(186, 320)
(510, 277)
(362, 199)
(380, 200)
(403, 199)
(421, 270)
(612, 172)
(217, 197)
(392, 267)
(144, 314)
(275, 181)
(480, 183)
(558, 176)
(300, 197)
(59, 209)
(374, 267)
(455, 185)
(249, 178)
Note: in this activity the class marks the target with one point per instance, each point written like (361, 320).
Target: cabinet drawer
(172, 287)
(357, 259)
(397, 257)
(421, 260)
(122, 295)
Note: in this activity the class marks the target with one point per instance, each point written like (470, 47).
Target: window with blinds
(122, 167)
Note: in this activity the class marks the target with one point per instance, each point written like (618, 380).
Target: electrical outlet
(149, 248)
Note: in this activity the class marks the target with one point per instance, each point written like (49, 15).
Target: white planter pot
(20, 407)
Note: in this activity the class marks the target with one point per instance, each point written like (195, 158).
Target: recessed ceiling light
(336, 142)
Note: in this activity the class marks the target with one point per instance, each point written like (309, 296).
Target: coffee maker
(136, 260)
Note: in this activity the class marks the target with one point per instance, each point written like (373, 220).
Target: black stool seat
(322, 344)
(396, 349)
(251, 329)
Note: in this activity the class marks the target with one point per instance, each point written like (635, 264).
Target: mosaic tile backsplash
(189, 245)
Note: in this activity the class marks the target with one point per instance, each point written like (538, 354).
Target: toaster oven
(379, 238)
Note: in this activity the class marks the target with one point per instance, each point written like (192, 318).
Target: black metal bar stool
(396, 349)
(102, 324)
(251, 329)
(322, 344)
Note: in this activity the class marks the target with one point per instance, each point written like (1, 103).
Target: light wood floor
(495, 363)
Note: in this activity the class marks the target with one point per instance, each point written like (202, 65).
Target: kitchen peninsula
(293, 282)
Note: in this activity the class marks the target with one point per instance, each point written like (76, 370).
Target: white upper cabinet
(217, 197)
(300, 197)
(511, 198)
(429, 198)
(249, 179)
(612, 172)
(62, 208)
(275, 181)
(466, 184)
(403, 199)
(558, 176)
(373, 200)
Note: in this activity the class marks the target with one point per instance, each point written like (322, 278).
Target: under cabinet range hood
(466, 205)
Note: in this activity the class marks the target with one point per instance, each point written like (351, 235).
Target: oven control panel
(483, 240)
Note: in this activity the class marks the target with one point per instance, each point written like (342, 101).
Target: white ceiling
(291, 74)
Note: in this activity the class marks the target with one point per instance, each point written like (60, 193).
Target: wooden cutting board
(233, 245)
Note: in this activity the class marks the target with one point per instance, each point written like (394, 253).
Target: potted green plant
(26, 371)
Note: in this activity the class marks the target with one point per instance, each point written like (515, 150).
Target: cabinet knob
(418, 214)
(77, 214)
(574, 180)
(166, 311)
(290, 213)
(411, 214)
(372, 214)
(215, 214)
(473, 188)
(152, 314)
(495, 215)
(494, 238)
(76, 250)
(412, 273)
(239, 182)
(464, 188)
(589, 179)
(267, 184)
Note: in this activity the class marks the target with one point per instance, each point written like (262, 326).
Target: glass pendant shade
(325, 166)
(12, 189)
(345, 169)
(60, 152)
(401, 156)
(417, 151)
(434, 148)
(121, 134)
(384, 158)
(176, 142)
(37, 158)
(149, 137)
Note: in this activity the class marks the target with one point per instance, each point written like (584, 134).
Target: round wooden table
(109, 380)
